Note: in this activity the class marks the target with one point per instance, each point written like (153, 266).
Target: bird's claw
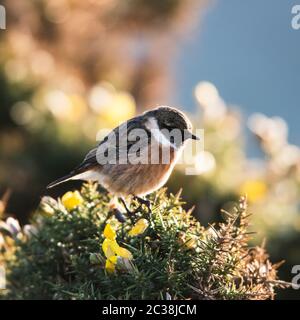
(119, 215)
(132, 214)
(146, 202)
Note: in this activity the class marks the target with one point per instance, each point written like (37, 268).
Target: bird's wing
(118, 145)
(129, 138)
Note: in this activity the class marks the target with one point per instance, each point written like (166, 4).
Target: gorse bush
(76, 248)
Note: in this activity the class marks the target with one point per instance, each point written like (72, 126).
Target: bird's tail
(61, 180)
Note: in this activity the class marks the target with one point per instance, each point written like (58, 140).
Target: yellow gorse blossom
(109, 247)
(71, 200)
(112, 250)
(191, 242)
(109, 232)
(110, 264)
(124, 253)
(188, 240)
(140, 226)
(254, 189)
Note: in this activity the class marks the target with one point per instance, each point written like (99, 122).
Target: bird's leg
(125, 205)
(130, 214)
(146, 202)
(116, 211)
(119, 215)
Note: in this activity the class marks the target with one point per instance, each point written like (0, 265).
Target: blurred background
(69, 68)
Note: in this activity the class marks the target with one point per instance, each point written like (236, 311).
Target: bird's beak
(190, 135)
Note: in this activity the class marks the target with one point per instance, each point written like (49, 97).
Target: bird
(137, 157)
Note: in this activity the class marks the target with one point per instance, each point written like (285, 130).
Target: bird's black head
(171, 119)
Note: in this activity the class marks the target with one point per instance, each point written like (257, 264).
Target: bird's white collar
(153, 127)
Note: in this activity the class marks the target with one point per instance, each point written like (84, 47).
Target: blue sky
(249, 50)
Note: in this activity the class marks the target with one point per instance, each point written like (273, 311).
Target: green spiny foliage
(175, 257)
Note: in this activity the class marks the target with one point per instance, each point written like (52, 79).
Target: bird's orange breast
(140, 178)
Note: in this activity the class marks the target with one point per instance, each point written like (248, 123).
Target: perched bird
(137, 157)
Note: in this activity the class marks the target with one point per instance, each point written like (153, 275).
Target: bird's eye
(169, 126)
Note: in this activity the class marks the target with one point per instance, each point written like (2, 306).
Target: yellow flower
(112, 250)
(124, 253)
(113, 259)
(109, 232)
(71, 200)
(110, 247)
(140, 226)
(254, 189)
(191, 243)
(188, 240)
(110, 266)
